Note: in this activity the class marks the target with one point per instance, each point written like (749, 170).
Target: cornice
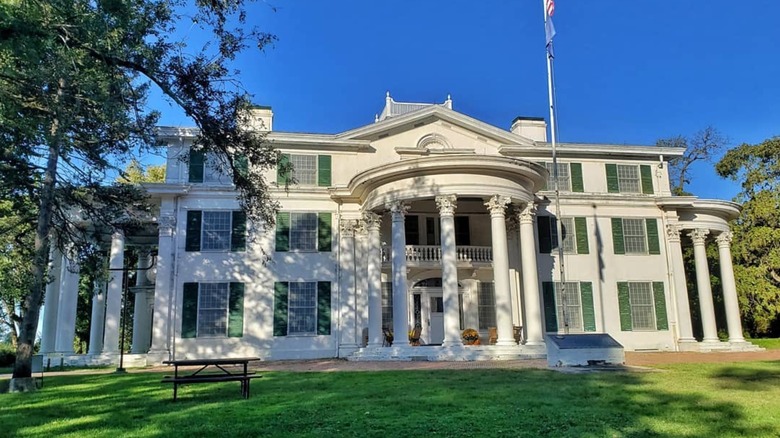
(582, 150)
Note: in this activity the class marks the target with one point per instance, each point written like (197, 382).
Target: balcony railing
(432, 254)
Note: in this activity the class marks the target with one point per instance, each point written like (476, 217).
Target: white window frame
(573, 306)
(564, 177)
(640, 308)
(634, 243)
(204, 232)
(298, 237)
(214, 325)
(302, 308)
(625, 180)
(486, 306)
(569, 240)
(308, 178)
(215, 171)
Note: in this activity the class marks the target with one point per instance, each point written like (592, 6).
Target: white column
(533, 312)
(114, 294)
(361, 282)
(684, 328)
(374, 280)
(497, 206)
(163, 288)
(142, 323)
(66, 311)
(729, 287)
(97, 320)
(348, 317)
(449, 270)
(52, 303)
(699, 236)
(400, 293)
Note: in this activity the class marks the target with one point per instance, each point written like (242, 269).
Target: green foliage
(696, 400)
(136, 173)
(7, 355)
(756, 244)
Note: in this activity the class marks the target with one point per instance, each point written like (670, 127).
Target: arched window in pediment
(433, 141)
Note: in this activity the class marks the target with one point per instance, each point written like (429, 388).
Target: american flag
(550, 8)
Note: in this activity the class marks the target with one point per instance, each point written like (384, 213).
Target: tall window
(215, 171)
(387, 305)
(303, 308)
(303, 231)
(642, 306)
(568, 300)
(213, 309)
(634, 236)
(304, 169)
(569, 239)
(564, 177)
(486, 305)
(628, 178)
(216, 231)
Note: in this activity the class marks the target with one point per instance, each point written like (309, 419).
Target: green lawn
(692, 400)
(768, 343)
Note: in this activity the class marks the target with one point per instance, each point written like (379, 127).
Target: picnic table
(213, 370)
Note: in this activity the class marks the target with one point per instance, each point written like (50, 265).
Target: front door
(436, 319)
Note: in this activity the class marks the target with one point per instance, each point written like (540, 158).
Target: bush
(7, 355)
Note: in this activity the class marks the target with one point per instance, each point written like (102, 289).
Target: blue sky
(626, 71)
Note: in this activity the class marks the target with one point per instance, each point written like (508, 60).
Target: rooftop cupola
(393, 108)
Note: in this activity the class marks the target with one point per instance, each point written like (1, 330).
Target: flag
(550, 8)
(549, 32)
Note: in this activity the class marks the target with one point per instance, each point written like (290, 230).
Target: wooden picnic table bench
(212, 371)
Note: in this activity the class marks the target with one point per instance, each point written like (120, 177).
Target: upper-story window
(629, 178)
(218, 230)
(207, 167)
(569, 177)
(635, 236)
(575, 234)
(306, 170)
(303, 231)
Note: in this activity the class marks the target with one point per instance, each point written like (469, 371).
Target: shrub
(7, 355)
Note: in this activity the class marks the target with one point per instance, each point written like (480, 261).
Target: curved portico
(499, 187)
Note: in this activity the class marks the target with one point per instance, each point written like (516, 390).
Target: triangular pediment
(431, 115)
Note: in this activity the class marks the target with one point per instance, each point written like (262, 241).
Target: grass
(768, 343)
(694, 400)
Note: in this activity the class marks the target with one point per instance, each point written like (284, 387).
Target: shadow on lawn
(748, 378)
(481, 402)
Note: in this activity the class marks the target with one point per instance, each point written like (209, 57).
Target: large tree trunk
(31, 307)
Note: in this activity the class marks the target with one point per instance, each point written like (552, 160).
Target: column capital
(724, 238)
(372, 220)
(398, 208)
(673, 233)
(527, 213)
(497, 205)
(446, 204)
(347, 227)
(699, 235)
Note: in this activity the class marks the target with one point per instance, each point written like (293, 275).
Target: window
(215, 231)
(462, 231)
(210, 169)
(629, 178)
(564, 177)
(303, 231)
(412, 229)
(486, 305)
(302, 308)
(642, 306)
(387, 305)
(212, 310)
(573, 303)
(635, 236)
(307, 170)
(575, 234)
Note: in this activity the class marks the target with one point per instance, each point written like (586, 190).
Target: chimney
(261, 118)
(534, 128)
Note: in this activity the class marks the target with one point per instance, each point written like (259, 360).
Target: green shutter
(238, 232)
(543, 226)
(189, 311)
(236, 310)
(281, 289)
(661, 320)
(577, 184)
(323, 170)
(242, 166)
(588, 313)
(653, 245)
(612, 179)
(192, 240)
(282, 231)
(617, 236)
(324, 225)
(647, 179)
(624, 304)
(196, 166)
(581, 231)
(283, 170)
(550, 311)
(323, 307)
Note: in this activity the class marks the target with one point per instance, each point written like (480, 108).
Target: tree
(74, 77)
(701, 146)
(756, 243)
(136, 173)
(15, 267)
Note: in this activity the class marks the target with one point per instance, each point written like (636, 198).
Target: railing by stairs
(432, 254)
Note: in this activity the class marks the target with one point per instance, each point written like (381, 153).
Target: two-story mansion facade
(432, 219)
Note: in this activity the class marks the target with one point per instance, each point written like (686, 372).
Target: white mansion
(426, 220)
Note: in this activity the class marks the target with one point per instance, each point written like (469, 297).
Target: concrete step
(438, 353)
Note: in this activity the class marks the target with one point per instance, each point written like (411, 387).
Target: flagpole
(556, 186)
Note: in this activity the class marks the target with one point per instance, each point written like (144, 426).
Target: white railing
(432, 253)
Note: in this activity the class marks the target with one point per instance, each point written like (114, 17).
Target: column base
(533, 343)
(687, 344)
(506, 343)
